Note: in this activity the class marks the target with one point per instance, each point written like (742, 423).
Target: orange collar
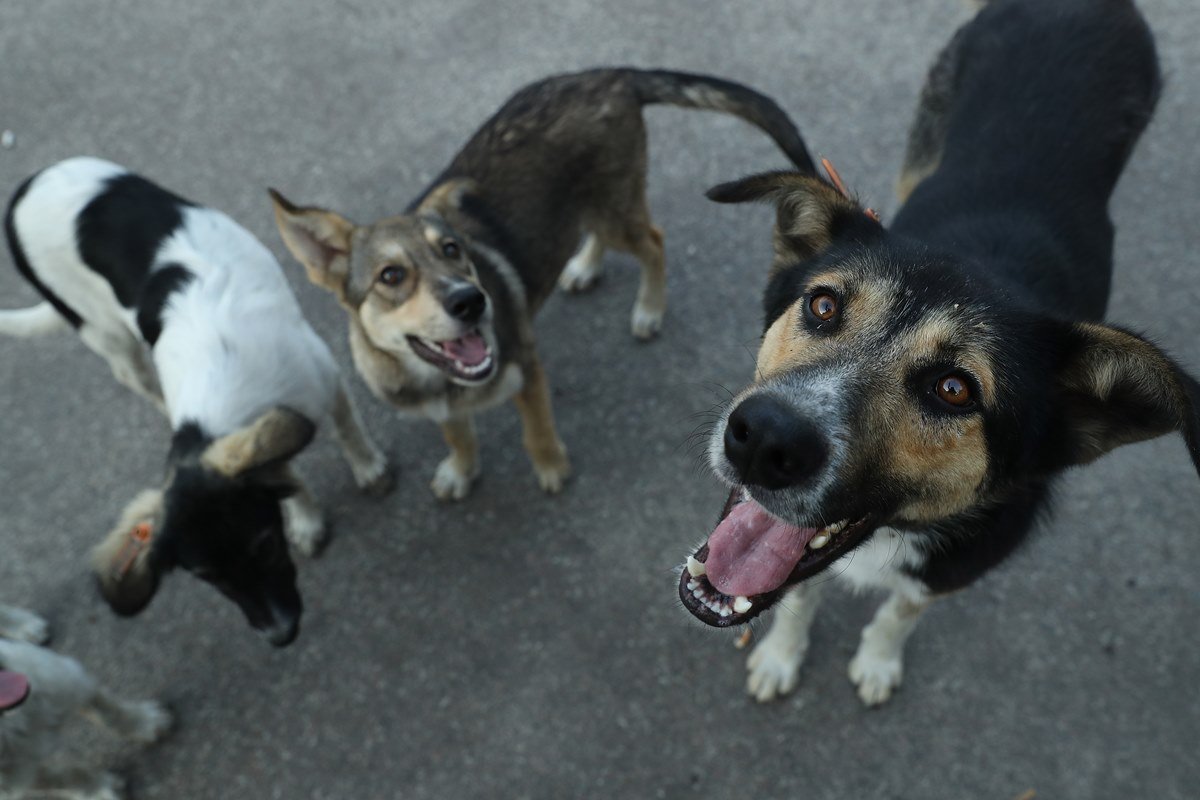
(140, 538)
(838, 184)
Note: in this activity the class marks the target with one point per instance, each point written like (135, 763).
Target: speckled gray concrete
(517, 645)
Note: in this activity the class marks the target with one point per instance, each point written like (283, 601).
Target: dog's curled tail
(39, 320)
(691, 90)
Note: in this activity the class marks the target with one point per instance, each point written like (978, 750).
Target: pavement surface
(523, 646)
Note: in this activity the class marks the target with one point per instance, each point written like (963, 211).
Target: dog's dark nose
(465, 303)
(771, 445)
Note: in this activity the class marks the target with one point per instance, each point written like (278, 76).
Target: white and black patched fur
(191, 311)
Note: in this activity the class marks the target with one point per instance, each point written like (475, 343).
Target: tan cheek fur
(946, 462)
(420, 315)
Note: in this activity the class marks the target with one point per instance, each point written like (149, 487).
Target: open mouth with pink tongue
(14, 688)
(752, 557)
(467, 358)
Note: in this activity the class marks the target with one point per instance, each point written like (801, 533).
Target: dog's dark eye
(392, 276)
(954, 390)
(450, 249)
(823, 306)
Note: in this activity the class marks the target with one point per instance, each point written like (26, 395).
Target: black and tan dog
(920, 386)
(441, 299)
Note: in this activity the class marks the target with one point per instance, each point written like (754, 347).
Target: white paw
(154, 720)
(376, 479)
(646, 322)
(27, 627)
(875, 677)
(580, 275)
(774, 670)
(108, 787)
(305, 530)
(451, 483)
(552, 476)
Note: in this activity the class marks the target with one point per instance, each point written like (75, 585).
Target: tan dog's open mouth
(467, 358)
(752, 557)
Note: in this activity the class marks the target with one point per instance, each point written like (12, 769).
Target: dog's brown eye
(954, 389)
(392, 276)
(450, 249)
(823, 306)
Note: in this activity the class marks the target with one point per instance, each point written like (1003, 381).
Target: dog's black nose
(771, 445)
(465, 303)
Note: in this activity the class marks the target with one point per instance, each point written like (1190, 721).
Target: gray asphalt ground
(523, 646)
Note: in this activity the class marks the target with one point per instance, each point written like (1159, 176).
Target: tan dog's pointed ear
(272, 439)
(1117, 388)
(319, 239)
(809, 212)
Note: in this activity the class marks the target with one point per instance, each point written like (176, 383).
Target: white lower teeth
(692, 585)
(819, 541)
(742, 604)
(695, 568)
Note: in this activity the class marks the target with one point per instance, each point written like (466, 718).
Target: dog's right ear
(319, 239)
(809, 212)
(126, 571)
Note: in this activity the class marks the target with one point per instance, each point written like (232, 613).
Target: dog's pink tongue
(751, 552)
(13, 689)
(470, 350)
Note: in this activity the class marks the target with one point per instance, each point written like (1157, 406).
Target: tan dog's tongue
(752, 553)
(14, 688)
(471, 350)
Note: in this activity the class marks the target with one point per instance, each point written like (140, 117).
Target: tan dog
(441, 299)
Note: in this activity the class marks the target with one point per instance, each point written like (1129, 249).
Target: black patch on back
(163, 283)
(119, 232)
(22, 262)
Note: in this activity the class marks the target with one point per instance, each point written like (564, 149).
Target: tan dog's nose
(465, 303)
(771, 445)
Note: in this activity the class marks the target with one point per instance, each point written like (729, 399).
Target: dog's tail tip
(40, 320)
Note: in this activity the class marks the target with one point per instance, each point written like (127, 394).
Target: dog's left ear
(1116, 388)
(810, 213)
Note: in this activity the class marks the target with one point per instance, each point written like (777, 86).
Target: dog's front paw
(152, 721)
(552, 473)
(647, 322)
(875, 677)
(450, 482)
(774, 670)
(26, 626)
(377, 480)
(305, 529)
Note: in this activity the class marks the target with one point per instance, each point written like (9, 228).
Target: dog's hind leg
(545, 449)
(456, 473)
(585, 267)
(22, 625)
(878, 666)
(141, 721)
(370, 467)
(927, 135)
(127, 358)
(640, 237)
(774, 665)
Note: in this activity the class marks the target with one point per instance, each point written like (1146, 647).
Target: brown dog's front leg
(454, 475)
(546, 450)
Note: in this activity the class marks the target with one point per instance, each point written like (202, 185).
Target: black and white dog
(31, 718)
(232, 362)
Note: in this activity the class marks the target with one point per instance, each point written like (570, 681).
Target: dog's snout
(771, 445)
(466, 303)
